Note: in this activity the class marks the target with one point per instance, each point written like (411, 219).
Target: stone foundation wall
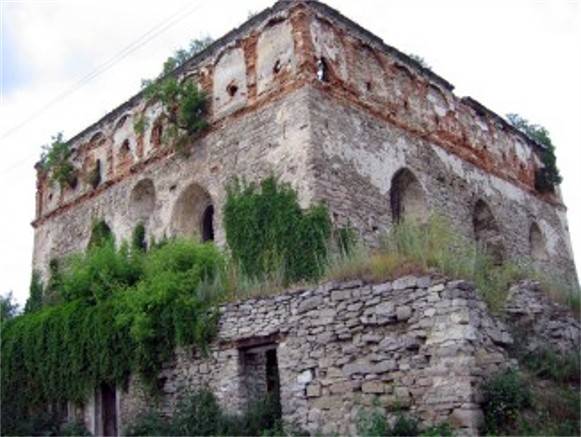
(423, 343)
(541, 323)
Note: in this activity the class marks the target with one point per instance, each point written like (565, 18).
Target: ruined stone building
(304, 93)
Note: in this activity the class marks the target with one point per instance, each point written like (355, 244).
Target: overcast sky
(511, 56)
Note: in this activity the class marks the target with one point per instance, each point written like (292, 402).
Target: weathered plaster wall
(356, 156)
(424, 343)
(275, 142)
(340, 140)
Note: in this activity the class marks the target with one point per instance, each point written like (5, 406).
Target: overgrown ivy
(548, 176)
(267, 231)
(116, 311)
(55, 160)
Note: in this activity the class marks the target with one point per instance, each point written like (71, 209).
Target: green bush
(266, 230)
(547, 364)
(199, 413)
(150, 423)
(505, 395)
(55, 160)
(374, 423)
(117, 311)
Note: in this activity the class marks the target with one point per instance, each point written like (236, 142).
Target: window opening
(208, 224)
(322, 70)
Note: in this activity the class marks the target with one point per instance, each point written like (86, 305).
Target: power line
(119, 56)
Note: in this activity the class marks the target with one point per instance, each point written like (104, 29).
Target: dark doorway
(272, 378)
(260, 380)
(108, 409)
(208, 224)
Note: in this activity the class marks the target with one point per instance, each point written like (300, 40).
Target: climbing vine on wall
(267, 230)
(117, 311)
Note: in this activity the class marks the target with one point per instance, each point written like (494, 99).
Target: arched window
(537, 243)
(486, 231)
(407, 198)
(193, 213)
(142, 200)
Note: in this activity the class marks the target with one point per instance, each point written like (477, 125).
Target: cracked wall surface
(337, 136)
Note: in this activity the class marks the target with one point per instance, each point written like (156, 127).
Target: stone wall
(303, 93)
(423, 343)
(540, 323)
(357, 157)
(169, 196)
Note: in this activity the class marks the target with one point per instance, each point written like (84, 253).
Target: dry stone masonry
(421, 343)
(544, 324)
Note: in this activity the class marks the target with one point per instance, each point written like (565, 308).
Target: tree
(420, 60)
(8, 307)
(55, 160)
(184, 103)
(34, 301)
(548, 176)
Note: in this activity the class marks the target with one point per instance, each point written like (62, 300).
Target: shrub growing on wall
(55, 160)
(267, 230)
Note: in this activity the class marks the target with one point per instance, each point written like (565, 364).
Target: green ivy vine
(116, 311)
(267, 231)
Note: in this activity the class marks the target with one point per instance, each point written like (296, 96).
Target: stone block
(310, 304)
(338, 295)
(385, 309)
(341, 387)
(405, 282)
(313, 390)
(382, 288)
(473, 419)
(403, 312)
(373, 387)
(305, 377)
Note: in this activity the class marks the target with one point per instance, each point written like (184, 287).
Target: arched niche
(537, 243)
(407, 198)
(142, 200)
(193, 213)
(487, 232)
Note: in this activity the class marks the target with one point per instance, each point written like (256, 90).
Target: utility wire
(122, 54)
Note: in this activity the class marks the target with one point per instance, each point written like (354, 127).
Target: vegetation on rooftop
(183, 102)
(548, 176)
(55, 160)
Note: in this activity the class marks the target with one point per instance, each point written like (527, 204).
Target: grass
(411, 248)
(408, 249)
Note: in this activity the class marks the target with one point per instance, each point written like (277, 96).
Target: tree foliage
(183, 103)
(547, 177)
(115, 311)
(8, 307)
(181, 55)
(34, 301)
(267, 230)
(55, 159)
